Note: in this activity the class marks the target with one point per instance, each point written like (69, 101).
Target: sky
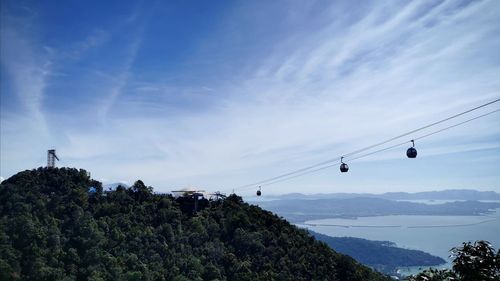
(221, 94)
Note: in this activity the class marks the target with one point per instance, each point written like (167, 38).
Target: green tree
(472, 262)
(476, 261)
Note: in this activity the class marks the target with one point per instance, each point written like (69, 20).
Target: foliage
(435, 275)
(472, 262)
(53, 228)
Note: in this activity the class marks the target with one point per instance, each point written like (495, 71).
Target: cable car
(412, 152)
(343, 167)
(259, 193)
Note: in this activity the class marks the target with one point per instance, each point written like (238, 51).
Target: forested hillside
(57, 224)
(382, 255)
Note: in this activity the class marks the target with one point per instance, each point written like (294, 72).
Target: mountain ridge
(446, 194)
(301, 210)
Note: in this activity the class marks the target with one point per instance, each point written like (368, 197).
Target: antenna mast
(51, 158)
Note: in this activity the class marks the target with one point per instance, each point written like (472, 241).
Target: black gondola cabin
(344, 168)
(412, 152)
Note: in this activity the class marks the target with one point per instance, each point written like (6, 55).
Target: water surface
(432, 234)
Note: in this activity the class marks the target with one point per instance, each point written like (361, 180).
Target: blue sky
(219, 94)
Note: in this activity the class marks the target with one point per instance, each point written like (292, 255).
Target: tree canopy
(58, 224)
(476, 261)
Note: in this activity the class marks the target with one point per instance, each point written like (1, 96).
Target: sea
(436, 235)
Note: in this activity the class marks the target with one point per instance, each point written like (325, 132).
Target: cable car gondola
(259, 193)
(343, 167)
(412, 152)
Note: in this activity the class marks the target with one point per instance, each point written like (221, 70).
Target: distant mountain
(383, 256)
(448, 194)
(300, 210)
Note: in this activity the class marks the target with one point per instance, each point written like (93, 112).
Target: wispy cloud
(119, 81)
(28, 70)
(345, 90)
(291, 92)
(94, 40)
(23, 124)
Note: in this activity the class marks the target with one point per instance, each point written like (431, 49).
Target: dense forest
(381, 255)
(58, 224)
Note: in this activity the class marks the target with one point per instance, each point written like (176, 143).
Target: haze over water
(433, 234)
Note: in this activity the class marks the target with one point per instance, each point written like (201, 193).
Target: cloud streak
(28, 72)
(227, 116)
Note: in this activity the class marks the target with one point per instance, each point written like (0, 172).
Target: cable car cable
(335, 164)
(420, 129)
(366, 148)
(376, 151)
(387, 148)
(456, 125)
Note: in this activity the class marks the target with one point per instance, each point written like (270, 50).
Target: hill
(381, 255)
(58, 224)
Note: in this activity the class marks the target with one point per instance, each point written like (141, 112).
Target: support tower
(51, 158)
